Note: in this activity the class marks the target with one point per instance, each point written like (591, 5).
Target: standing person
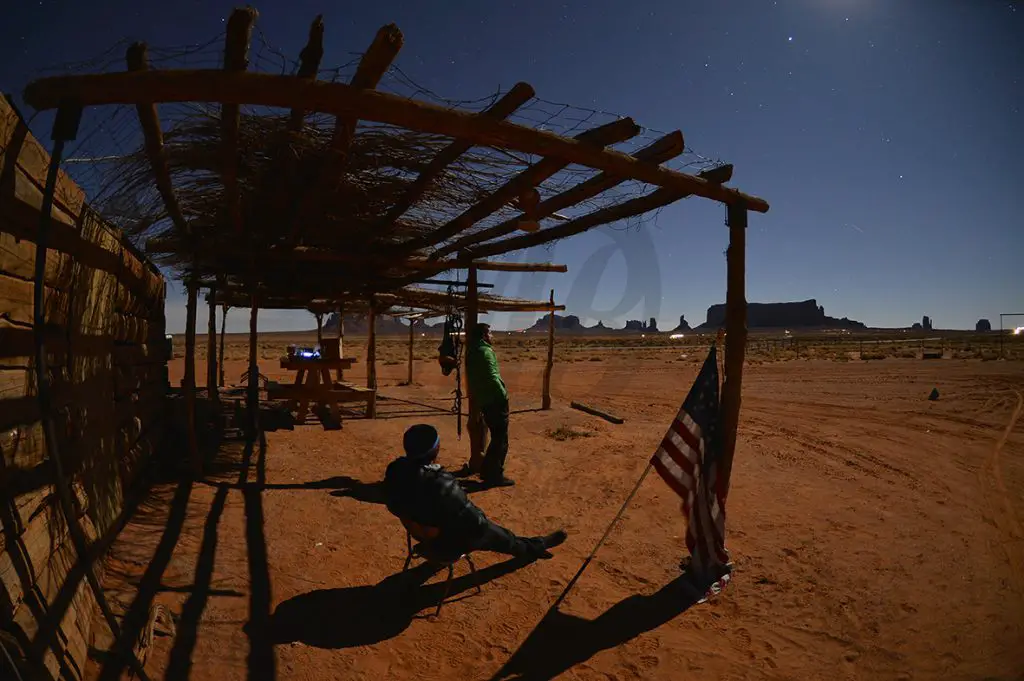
(491, 397)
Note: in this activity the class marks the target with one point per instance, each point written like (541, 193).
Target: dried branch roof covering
(304, 190)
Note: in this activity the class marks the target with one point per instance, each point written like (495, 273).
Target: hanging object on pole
(450, 350)
(450, 354)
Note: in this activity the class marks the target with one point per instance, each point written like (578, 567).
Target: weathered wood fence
(104, 311)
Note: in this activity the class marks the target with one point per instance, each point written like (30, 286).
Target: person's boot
(497, 481)
(539, 545)
(556, 538)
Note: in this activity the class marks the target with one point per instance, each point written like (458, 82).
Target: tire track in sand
(1002, 509)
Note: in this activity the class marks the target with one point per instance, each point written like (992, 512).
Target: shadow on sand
(326, 618)
(562, 641)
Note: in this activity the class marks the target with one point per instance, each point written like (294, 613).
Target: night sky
(887, 135)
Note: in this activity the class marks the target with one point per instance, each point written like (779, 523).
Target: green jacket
(484, 378)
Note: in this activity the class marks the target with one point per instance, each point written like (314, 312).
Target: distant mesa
(799, 315)
(684, 325)
(643, 327)
(570, 323)
(924, 325)
(983, 325)
(358, 325)
(804, 314)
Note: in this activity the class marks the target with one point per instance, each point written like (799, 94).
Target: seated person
(419, 490)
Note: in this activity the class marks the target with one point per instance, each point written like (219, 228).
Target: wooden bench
(327, 396)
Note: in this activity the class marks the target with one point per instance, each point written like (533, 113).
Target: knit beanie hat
(421, 442)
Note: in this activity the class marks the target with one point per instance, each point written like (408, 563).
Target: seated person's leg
(501, 540)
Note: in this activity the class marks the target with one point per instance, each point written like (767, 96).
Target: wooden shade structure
(281, 212)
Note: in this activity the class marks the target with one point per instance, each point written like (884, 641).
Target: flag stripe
(669, 477)
(681, 458)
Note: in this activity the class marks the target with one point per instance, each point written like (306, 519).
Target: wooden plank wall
(105, 326)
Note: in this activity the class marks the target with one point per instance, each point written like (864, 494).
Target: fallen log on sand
(597, 412)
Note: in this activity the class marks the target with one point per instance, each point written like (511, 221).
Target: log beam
(210, 85)
(661, 150)
(500, 110)
(626, 209)
(499, 266)
(372, 67)
(599, 137)
(304, 254)
(309, 64)
(137, 58)
(236, 60)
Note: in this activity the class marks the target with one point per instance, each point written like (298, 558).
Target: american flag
(688, 460)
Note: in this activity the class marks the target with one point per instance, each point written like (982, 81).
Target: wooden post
(319, 329)
(253, 397)
(371, 357)
(546, 396)
(341, 331)
(189, 384)
(474, 420)
(211, 350)
(412, 340)
(341, 338)
(736, 336)
(223, 322)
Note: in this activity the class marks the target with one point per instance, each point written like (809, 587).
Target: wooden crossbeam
(309, 64)
(663, 149)
(302, 254)
(236, 59)
(501, 109)
(137, 58)
(205, 85)
(601, 136)
(419, 298)
(498, 266)
(626, 209)
(372, 67)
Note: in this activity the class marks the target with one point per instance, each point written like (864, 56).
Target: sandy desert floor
(876, 535)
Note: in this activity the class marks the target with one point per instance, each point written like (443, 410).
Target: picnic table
(314, 384)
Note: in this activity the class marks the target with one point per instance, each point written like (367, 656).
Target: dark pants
(500, 540)
(496, 418)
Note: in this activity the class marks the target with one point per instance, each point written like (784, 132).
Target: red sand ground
(876, 535)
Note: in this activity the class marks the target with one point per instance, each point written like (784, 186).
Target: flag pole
(615, 520)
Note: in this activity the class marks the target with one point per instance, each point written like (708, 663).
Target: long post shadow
(137, 617)
(180, 664)
(261, 659)
(560, 641)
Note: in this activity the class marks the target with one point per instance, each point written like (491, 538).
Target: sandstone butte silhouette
(805, 314)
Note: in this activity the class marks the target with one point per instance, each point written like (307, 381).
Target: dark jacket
(429, 495)
(485, 382)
